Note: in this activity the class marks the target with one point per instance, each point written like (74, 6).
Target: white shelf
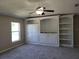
(64, 23)
(66, 45)
(64, 34)
(65, 39)
(65, 29)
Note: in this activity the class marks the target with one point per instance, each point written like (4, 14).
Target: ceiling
(22, 8)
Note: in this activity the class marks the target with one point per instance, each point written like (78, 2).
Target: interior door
(32, 33)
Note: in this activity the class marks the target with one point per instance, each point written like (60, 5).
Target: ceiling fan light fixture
(40, 10)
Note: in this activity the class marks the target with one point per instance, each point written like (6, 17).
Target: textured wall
(5, 32)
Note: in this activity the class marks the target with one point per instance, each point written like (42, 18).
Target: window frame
(19, 31)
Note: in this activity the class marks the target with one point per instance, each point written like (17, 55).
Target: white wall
(5, 32)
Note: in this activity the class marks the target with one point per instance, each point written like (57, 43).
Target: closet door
(32, 33)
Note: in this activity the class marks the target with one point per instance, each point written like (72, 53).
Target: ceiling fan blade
(31, 12)
(49, 10)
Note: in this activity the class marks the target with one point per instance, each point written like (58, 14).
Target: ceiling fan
(41, 11)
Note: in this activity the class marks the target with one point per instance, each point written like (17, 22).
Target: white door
(32, 33)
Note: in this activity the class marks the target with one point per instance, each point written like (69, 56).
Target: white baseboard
(44, 44)
(11, 48)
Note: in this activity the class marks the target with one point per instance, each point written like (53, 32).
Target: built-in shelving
(65, 31)
(58, 30)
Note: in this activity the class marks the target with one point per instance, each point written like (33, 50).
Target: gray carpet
(41, 52)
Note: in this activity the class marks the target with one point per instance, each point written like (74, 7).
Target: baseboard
(11, 48)
(44, 44)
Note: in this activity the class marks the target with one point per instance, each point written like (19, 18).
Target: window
(15, 31)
